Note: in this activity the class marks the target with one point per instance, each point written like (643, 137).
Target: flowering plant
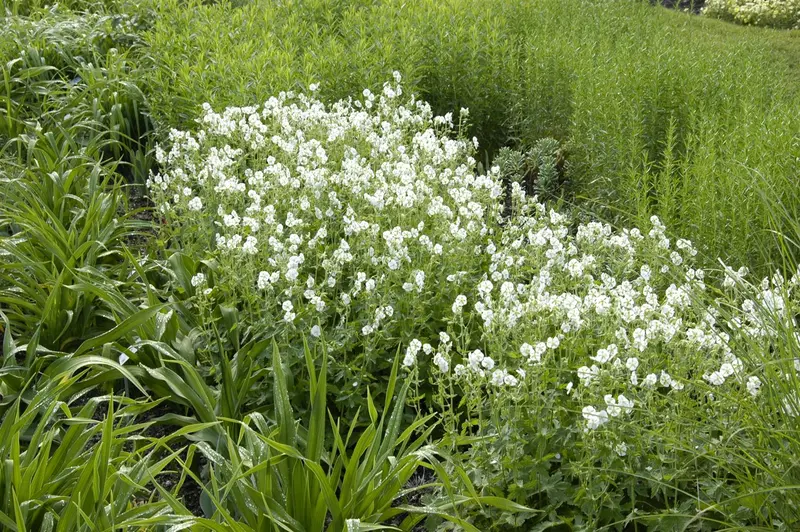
(563, 347)
(355, 220)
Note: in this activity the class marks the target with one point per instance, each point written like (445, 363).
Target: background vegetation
(663, 112)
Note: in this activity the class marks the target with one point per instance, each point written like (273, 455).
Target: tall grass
(667, 114)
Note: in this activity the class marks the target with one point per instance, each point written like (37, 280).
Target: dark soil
(144, 208)
(190, 491)
(420, 477)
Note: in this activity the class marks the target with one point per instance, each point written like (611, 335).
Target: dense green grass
(666, 113)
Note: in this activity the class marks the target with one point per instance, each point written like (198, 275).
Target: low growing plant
(581, 370)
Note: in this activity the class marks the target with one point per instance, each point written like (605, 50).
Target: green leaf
(121, 330)
(283, 409)
(317, 425)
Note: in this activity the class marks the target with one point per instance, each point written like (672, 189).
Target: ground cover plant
(359, 282)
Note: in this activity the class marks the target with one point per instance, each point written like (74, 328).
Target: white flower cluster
(330, 211)
(365, 214)
(777, 13)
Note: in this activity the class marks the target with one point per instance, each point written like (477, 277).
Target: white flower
(753, 385)
(621, 449)
(533, 356)
(726, 370)
(498, 377)
(441, 362)
(475, 358)
(249, 245)
(594, 418)
(645, 272)
(632, 364)
(605, 355)
(485, 288)
(414, 346)
(419, 279)
(611, 406)
(287, 307)
(640, 339)
(231, 220)
(716, 378)
(316, 331)
(195, 204)
(198, 280)
(459, 303)
(587, 375)
(625, 403)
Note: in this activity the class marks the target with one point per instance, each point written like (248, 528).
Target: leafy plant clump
(578, 362)
(541, 170)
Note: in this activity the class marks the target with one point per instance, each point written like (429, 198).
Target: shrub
(775, 13)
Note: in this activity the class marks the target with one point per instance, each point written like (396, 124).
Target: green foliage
(656, 113)
(282, 475)
(67, 271)
(65, 470)
(540, 171)
(72, 75)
